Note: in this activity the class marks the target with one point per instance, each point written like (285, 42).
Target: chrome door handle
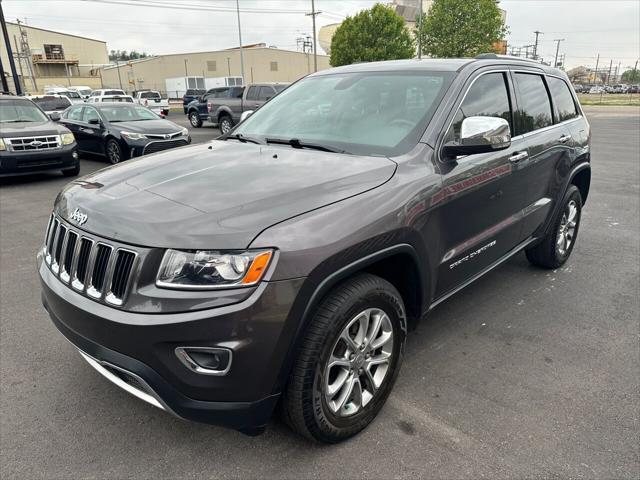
(516, 157)
(564, 138)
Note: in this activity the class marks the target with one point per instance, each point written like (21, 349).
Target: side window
(534, 110)
(487, 97)
(252, 94)
(89, 114)
(222, 93)
(266, 93)
(75, 113)
(562, 98)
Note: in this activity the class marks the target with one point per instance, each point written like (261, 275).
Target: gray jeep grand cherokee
(285, 262)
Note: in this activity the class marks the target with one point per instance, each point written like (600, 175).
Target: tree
(578, 75)
(631, 76)
(461, 28)
(371, 35)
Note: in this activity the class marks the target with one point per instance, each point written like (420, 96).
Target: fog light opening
(205, 360)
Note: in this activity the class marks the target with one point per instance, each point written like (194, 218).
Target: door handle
(564, 138)
(516, 157)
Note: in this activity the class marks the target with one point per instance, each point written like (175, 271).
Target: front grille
(23, 144)
(39, 162)
(95, 268)
(153, 147)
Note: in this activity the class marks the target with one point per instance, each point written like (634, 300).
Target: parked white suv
(96, 95)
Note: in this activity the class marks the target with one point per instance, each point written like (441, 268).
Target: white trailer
(213, 82)
(178, 86)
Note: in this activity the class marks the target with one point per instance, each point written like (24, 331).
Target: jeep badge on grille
(78, 216)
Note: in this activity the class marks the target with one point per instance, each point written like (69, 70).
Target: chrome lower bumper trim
(146, 395)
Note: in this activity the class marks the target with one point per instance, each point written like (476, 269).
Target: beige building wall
(83, 55)
(261, 65)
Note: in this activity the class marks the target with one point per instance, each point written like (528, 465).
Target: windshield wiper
(242, 138)
(295, 143)
(18, 121)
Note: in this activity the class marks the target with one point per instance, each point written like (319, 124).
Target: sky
(610, 28)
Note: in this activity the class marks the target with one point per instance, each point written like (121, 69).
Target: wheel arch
(582, 180)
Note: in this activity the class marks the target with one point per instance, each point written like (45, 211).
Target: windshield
(370, 113)
(84, 92)
(127, 113)
(13, 111)
(49, 104)
(149, 95)
(280, 88)
(70, 94)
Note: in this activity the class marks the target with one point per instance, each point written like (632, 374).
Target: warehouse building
(261, 64)
(44, 57)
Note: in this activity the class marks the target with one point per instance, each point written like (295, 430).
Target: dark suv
(286, 261)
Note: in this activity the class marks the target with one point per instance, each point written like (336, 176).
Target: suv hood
(148, 126)
(31, 129)
(219, 195)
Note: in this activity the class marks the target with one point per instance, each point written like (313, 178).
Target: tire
(72, 172)
(225, 124)
(113, 151)
(553, 251)
(309, 406)
(194, 120)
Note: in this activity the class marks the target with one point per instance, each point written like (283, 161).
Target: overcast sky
(589, 27)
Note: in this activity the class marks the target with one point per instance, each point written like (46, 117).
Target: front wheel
(194, 120)
(113, 151)
(348, 361)
(226, 124)
(556, 247)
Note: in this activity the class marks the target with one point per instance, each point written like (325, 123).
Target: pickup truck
(227, 104)
(197, 110)
(153, 101)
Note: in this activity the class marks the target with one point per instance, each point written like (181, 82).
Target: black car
(190, 95)
(120, 131)
(286, 262)
(31, 142)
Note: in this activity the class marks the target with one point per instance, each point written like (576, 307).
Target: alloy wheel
(567, 230)
(113, 152)
(359, 362)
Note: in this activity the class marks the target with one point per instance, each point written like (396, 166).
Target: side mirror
(95, 121)
(55, 116)
(246, 114)
(480, 135)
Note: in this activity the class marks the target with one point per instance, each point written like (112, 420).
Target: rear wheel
(113, 151)
(348, 361)
(556, 247)
(194, 120)
(225, 123)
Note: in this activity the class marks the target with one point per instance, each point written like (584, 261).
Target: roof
(59, 33)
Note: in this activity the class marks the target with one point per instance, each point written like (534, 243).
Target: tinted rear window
(194, 91)
(565, 106)
(534, 107)
(49, 104)
(149, 95)
(113, 92)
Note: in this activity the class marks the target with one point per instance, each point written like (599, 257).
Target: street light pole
(535, 47)
(558, 40)
(420, 29)
(12, 64)
(240, 41)
(313, 15)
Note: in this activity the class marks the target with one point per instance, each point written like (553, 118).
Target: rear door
(483, 194)
(548, 141)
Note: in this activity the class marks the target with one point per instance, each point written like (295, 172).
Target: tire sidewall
(223, 120)
(194, 120)
(572, 194)
(343, 427)
(113, 142)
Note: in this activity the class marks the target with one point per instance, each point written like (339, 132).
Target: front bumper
(23, 163)
(138, 351)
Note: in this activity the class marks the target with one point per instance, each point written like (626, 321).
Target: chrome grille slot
(23, 144)
(80, 274)
(121, 275)
(69, 256)
(57, 251)
(89, 265)
(99, 273)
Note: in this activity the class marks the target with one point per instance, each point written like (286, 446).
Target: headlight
(67, 138)
(206, 269)
(184, 132)
(133, 136)
(2, 145)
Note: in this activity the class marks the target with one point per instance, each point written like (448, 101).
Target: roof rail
(504, 57)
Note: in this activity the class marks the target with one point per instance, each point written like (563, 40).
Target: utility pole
(419, 29)
(635, 71)
(15, 42)
(597, 63)
(240, 41)
(535, 47)
(313, 15)
(186, 73)
(618, 72)
(558, 40)
(609, 74)
(5, 84)
(12, 64)
(229, 65)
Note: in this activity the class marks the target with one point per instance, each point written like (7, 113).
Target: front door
(482, 195)
(91, 133)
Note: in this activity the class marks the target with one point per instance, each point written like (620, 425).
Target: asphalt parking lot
(525, 373)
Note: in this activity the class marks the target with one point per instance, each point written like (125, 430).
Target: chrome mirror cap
(480, 135)
(246, 114)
